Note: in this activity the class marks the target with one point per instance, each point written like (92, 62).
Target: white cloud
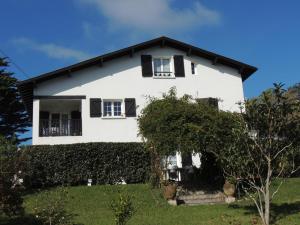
(52, 50)
(154, 15)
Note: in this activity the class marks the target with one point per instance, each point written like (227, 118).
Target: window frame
(171, 70)
(112, 101)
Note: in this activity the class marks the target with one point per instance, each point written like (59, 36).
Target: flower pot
(229, 189)
(169, 191)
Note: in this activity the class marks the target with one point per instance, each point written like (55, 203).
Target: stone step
(202, 199)
(203, 202)
(203, 196)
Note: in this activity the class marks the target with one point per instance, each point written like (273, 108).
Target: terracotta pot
(169, 191)
(229, 189)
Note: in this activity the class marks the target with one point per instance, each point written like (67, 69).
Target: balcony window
(60, 118)
(60, 125)
(162, 68)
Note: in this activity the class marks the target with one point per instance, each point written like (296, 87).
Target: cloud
(154, 15)
(52, 50)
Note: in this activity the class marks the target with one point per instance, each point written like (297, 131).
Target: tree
(13, 116)
(173, 124)
(10, 195)
(262, 146)
(50, 207)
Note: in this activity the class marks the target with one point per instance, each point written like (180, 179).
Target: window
(162, 67)
(193, 68)
(117, 108)
(112, 108)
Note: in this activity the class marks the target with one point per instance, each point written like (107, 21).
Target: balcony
(158, 74)
(60, 117)
(61, 127)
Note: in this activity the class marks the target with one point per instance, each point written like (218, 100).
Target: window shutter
(146, 61)
(130, 107)
(44, 115)
(95, 107)
(213, 102)
(179, 66)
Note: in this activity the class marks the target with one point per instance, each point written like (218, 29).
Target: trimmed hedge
(105, 163)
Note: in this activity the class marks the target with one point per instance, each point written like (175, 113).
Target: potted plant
(229, 188)
(169, 190)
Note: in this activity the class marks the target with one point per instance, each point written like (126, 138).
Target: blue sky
(41, 35)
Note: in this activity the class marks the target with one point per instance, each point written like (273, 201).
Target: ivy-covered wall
(105, 163)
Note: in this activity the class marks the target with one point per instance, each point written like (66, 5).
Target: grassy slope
(91, 204)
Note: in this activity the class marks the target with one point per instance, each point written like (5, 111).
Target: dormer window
(162, 68)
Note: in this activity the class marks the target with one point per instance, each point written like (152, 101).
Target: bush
(10, 192)
(122, 208)
(104, 163)
(50, 208)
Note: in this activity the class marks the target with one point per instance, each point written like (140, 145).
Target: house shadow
(24, 220)
(278, 210)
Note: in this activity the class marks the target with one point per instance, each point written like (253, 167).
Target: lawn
(91, 207)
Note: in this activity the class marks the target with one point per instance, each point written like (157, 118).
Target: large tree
(263, 146)
(174, 124)
(14, 119)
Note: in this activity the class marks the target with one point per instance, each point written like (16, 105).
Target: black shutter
(95, 107)
(146, 61)
(213, 102)
(179, 66)
(130, 107)
(44, 115)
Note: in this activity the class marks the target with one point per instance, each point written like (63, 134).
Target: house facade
(99, 100)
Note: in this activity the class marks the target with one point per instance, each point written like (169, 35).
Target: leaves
(104, 163)
(175, 124)
(13, 116)
(50, 207)
(122, 208)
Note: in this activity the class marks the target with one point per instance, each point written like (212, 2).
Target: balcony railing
(158, 74)
(65, 127)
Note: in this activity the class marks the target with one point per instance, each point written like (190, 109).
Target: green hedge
(105, 163)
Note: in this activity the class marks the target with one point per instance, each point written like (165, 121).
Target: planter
(169, 191)
(229, 189)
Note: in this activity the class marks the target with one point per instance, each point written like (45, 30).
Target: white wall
(122, 78)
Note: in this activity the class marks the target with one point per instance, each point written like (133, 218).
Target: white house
(98, 100)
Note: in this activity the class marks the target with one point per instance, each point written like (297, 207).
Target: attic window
(162, 68)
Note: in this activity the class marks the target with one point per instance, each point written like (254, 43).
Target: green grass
(91, 207)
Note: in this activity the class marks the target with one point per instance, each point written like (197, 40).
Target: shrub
(104, 163)
(10, 192)
(122, 208)
(50, 208)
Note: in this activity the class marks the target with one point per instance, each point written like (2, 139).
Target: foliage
(104, 163)
(122, 208)
(10, 196)
(13, 116)
(262, 145)
(50, 207)
(175, 124)
(254, 147)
